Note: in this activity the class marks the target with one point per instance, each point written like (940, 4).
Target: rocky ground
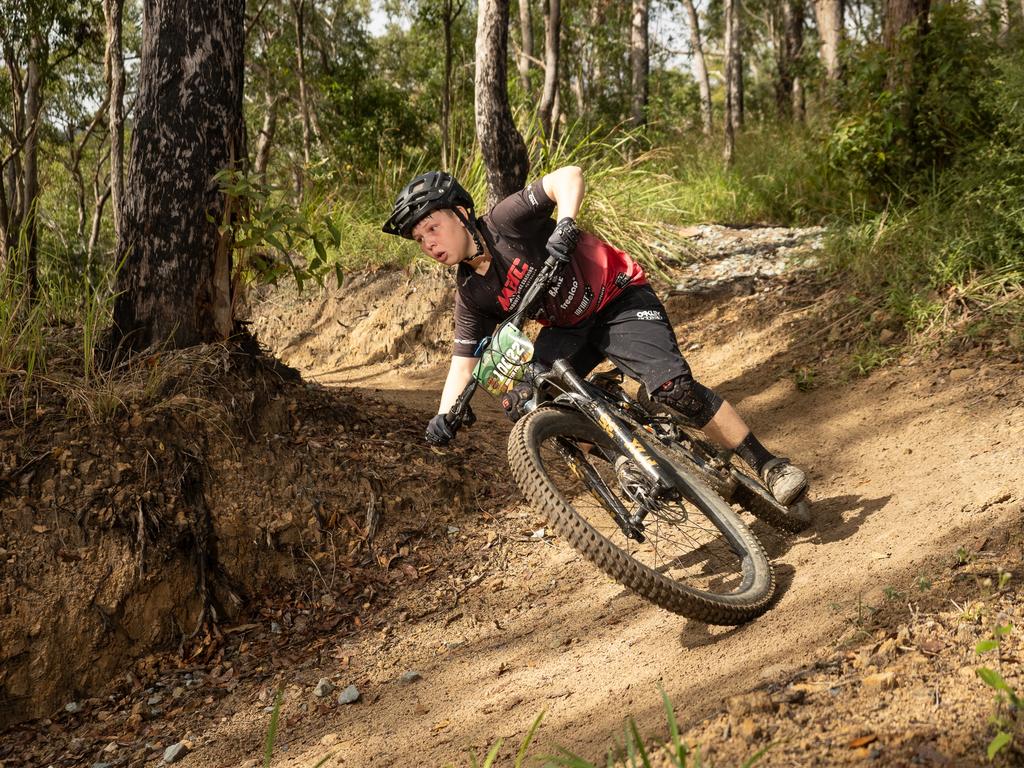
(469, 619)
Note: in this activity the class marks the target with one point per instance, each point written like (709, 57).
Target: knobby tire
(543, 479)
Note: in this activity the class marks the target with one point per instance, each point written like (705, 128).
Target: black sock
(752, 452)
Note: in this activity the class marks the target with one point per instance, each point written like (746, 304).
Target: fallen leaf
(863, 741)
(40, 528)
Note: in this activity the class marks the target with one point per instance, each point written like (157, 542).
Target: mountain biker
(602, 305)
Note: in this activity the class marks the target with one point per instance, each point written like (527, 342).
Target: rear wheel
(691, 555)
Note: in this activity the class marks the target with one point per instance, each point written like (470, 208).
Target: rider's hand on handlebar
(562, 243)
(441, 430)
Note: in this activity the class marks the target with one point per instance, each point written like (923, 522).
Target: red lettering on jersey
(515, 276)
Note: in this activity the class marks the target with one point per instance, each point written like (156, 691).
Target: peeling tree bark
(502, 147)
(174, 285)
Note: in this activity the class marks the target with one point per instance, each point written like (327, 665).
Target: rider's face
(443, 237)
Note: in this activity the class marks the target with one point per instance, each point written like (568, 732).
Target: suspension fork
(630, 443)
(579, 464)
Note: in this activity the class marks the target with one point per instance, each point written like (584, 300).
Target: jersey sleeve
(471, 327)
(522, 213)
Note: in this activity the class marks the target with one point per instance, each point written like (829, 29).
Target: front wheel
(693, 556)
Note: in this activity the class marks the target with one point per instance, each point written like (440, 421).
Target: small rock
(102, 765)
(882, 681)
(748, 729)
(960, 374)
(155, 699)
(72, 707)
(175, 752)
(275, 628)
(349, 696)
(750, 703)
(410, 677)
(324, 688)
(886, 336)
(329, 739)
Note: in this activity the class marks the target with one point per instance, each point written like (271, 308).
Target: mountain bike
(630, 485)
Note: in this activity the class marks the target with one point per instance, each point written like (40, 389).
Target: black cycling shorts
(632, 331)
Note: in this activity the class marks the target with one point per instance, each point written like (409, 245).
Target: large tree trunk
(526, 37)
(700, 70)
(639, 62)
(114, 66)
(552, 25)
(905, 24)
(503, 150)
(175, 283)
(829, 15)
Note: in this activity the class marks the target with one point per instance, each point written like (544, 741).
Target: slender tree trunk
(114, 66)
(526, 53)
(552, 24)
(37, 59)
(728, 118)
(502, 147)
(788, 38)
(829, 15)
(265, 139)
(299, 8)
(734, 55)
(700, 70)
(450, 14)
(639, 62)
(174, 286)
(793, 17)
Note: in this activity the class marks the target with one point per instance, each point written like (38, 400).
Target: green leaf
(673, 730)
(339, 275)
(320, 250)
(1003, 630)
(335, 234)
(521, 754)
(493, 754)
(638, 740)
(268, 747)
(270, 238)
(985, 646)
(1000, 740)
(993, 680)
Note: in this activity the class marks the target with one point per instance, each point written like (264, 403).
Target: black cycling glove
(441, 432)
(563, 241)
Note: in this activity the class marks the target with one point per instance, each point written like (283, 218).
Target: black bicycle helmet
(422, 196)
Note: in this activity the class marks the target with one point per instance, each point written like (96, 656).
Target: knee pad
(690, 398)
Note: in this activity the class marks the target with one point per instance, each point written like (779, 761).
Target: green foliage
(270, 234)
(895, 133)
(1008, 703)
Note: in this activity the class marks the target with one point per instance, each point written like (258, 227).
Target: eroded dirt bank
(911, 465)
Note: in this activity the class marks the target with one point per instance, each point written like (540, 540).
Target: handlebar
(459, 414)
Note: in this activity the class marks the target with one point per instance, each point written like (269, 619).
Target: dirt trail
(918, 459)
(499, 622)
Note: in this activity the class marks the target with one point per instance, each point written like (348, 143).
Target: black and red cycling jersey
(516, 231)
